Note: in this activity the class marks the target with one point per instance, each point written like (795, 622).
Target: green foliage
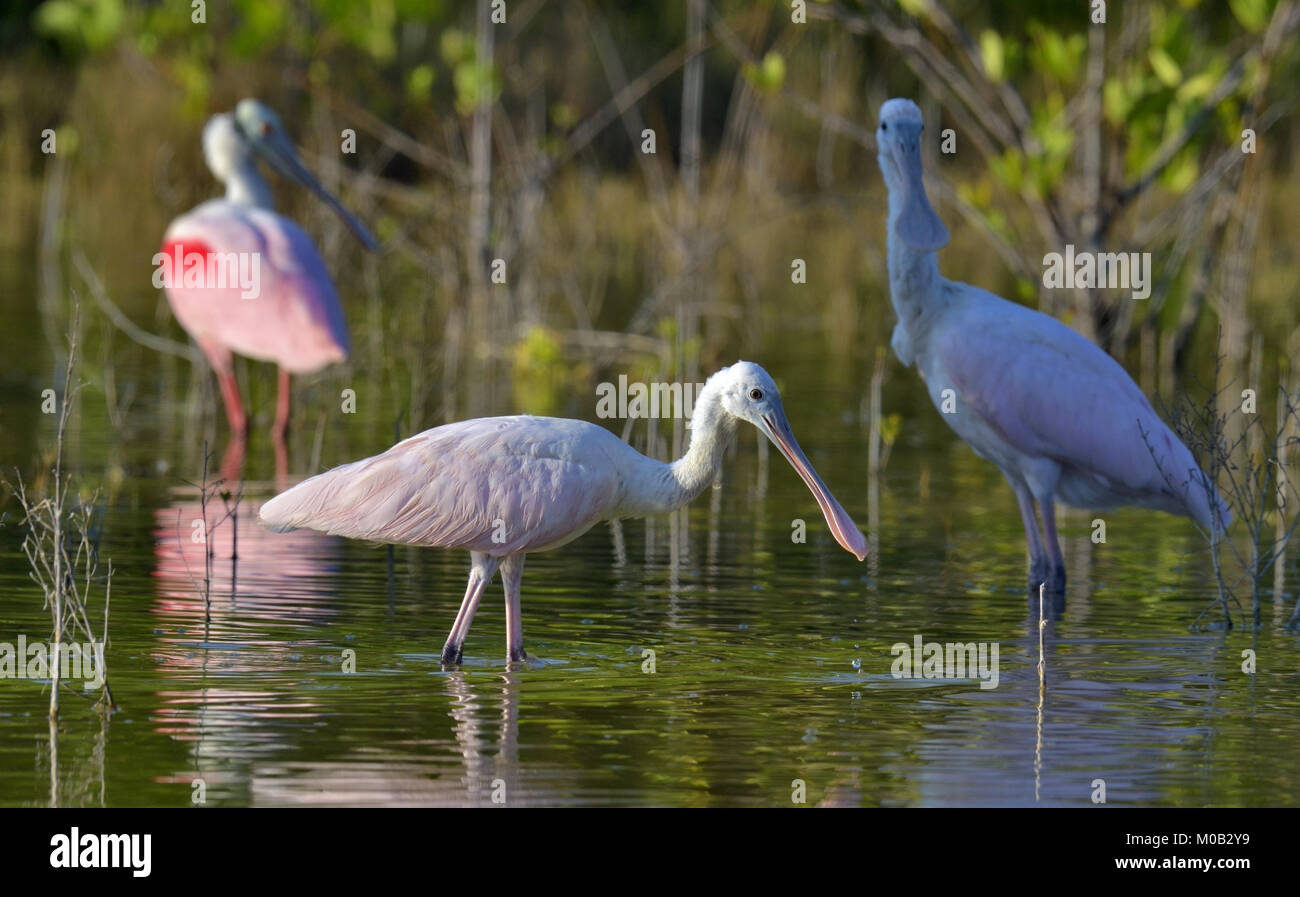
(993, 54)
(1166, 69)
(890, 427)
(419, 83)
(768, 75)
(1252, 14)
(263, 27)
(81, 24)
(542, 376)
(918, 8)
(456, 47)
(474, 84)
(1060, 56)
(666, 329)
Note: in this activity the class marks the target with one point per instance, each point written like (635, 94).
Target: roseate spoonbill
(506, 486)
(1059, 417)
(245, 279)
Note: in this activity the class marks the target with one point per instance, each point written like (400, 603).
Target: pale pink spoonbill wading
(502, 487)
(1060, 417)
(294, 319)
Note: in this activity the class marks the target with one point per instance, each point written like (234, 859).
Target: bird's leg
(232, 462)
(1055, 562)
(222, 363)
(235, 415)
(1037, 557)
(482, 568)
(512, 571)
(280, 431)
(282, 407)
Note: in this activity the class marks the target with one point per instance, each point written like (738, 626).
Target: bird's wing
(1052, 393)
(498, 485)
(296, 318)
(294, 257)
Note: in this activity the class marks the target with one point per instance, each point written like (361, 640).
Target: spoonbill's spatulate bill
(502, 487)
(250, 281)
(1059, 417)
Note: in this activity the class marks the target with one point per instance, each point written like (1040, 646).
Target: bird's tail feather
(1206, 505)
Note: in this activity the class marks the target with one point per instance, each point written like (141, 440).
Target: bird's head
(262, 131)
(747, 392)
(224, 147)
(898, 150)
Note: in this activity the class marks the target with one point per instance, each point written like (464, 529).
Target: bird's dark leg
(482, 568)
(1038, 566)
(1055, 562)
(512, 572)
(282, 407)
(279, 432)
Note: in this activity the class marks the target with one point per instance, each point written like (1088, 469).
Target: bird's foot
(451, 655)
(1056, 580)
(518, 655)
(1045, 574)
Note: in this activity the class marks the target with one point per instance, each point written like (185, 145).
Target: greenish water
(772, 659)
(772, 662)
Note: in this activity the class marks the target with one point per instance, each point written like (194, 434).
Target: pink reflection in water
(255, 574)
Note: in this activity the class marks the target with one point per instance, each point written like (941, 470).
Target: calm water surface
(772, 659)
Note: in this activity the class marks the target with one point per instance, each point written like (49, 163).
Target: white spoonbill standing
(502, 487)
(291, 316)
(1060, 417)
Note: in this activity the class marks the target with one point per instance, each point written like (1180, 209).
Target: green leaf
(88, 24)
(59, 19)
(456, 46)
(1165, 68)
(768, 75)
(419, 83)
(474, 84)
(1252, 14)
(1197, 87)
(564, 116)
(992, 54)
(1115, 102)
(890, 426)
(1009, 169)
(1181, 172)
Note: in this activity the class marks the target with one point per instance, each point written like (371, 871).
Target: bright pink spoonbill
(250, 280)
(1055, 413)
(506, 486)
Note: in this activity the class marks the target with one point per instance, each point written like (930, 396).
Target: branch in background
(616, 75)
(929, 64)
(587, 130)
(122, 322)
(1286, 19)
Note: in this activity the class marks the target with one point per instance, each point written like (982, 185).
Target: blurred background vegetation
(523, 141)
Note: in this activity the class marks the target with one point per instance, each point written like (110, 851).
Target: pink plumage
(498, 485)
(295, 321)
(244, 280)
(505, 486)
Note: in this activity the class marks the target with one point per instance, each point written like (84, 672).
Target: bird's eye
(266, 129)
(884, 126)
(756, 394)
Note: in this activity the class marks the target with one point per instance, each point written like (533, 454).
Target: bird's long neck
(914, 278)
(245, 186)
(665, 487)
